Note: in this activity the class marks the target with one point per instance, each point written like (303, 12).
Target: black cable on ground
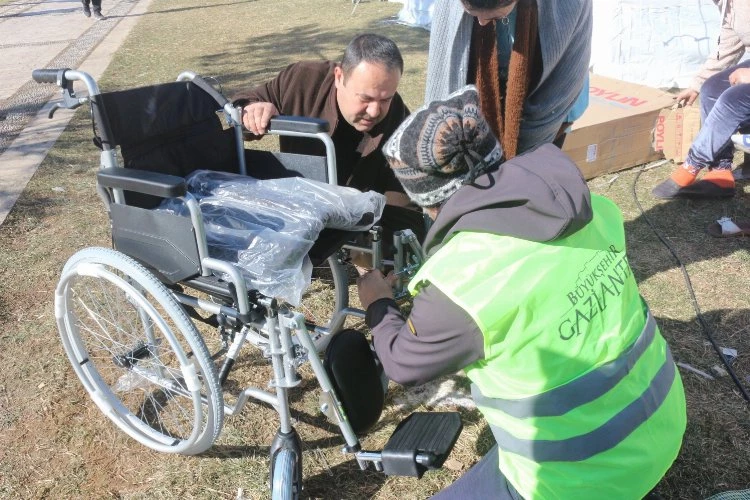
(706, 328)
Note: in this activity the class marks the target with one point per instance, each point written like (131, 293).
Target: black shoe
(98, 16)
(86, 10)
(702, 189)
(706, 190)
(666, 190)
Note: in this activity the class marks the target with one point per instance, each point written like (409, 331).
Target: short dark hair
(371, 48)
(487, 4)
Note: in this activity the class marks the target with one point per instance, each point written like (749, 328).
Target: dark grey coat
(538, 196)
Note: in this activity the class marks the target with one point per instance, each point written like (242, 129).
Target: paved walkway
(47, 34)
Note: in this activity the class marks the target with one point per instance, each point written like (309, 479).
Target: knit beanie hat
(442, 146)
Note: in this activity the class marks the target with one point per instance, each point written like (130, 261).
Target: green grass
(55, 443)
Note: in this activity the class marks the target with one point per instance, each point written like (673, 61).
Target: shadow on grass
(235, 451)
(729, 328)
(182, 9)
(716, 409)
(27, 209)
(239, 451)
(330, 484)
(281, 49)
(682, 223)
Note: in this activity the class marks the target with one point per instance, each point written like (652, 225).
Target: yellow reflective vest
(577, 383)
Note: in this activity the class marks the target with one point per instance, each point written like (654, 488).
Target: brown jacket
(307, 89)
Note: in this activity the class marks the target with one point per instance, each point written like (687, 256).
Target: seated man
(725, 108)
(358, 98)
(527, 288)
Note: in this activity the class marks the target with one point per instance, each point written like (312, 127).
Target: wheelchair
(127, 315)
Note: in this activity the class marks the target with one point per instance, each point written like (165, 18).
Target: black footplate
(421, 442)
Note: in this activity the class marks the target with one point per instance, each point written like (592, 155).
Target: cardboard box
(675, 130)
(615, 131)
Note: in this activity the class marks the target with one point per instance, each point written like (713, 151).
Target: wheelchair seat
(267, 227)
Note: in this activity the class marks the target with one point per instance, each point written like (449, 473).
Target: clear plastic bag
(268, 226)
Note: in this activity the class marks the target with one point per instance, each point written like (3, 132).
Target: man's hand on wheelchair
(256, 117)
(373, 286)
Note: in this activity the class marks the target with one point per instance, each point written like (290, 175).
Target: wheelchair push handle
(47, 75)
(299, 124)
(64, 78)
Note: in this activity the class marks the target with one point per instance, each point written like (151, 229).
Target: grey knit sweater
(565, 36)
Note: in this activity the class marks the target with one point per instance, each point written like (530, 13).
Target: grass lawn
(55, 443)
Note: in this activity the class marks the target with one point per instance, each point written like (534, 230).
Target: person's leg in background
(742, 172)
(95, 5)
(724, 109)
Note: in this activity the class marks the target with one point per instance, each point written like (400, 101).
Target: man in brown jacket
(357, 97)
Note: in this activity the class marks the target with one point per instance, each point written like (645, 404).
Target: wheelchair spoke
(327, 294)
(153, 411)
(100, 333)
(102, 323)
(132, 356)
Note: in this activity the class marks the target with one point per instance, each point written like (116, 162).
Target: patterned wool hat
(442, 146)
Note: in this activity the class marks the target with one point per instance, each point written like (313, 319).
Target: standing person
(725, 106)
(97, 7)
(528, 58)
(527, 288)
(359, 99)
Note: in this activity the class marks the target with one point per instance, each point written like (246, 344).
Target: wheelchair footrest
(421, 442)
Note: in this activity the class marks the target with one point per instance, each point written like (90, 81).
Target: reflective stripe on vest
(583, 390)
(585, 446)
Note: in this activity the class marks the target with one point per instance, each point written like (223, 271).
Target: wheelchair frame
(174, 357)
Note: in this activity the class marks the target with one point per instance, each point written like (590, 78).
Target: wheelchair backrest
(276, 165)
(172, 128)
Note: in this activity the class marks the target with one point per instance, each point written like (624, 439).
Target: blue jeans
(483, 481)
(724, 109)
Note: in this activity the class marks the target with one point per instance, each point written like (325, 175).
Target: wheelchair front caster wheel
(284, 485)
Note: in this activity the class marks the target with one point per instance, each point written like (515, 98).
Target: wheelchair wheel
(284, 485)
(327, 294)
(137, 353)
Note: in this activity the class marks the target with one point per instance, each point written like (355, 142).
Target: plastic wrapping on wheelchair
(268, 226)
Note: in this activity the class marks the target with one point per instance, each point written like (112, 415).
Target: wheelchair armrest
(142, 181)
(298, 124)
